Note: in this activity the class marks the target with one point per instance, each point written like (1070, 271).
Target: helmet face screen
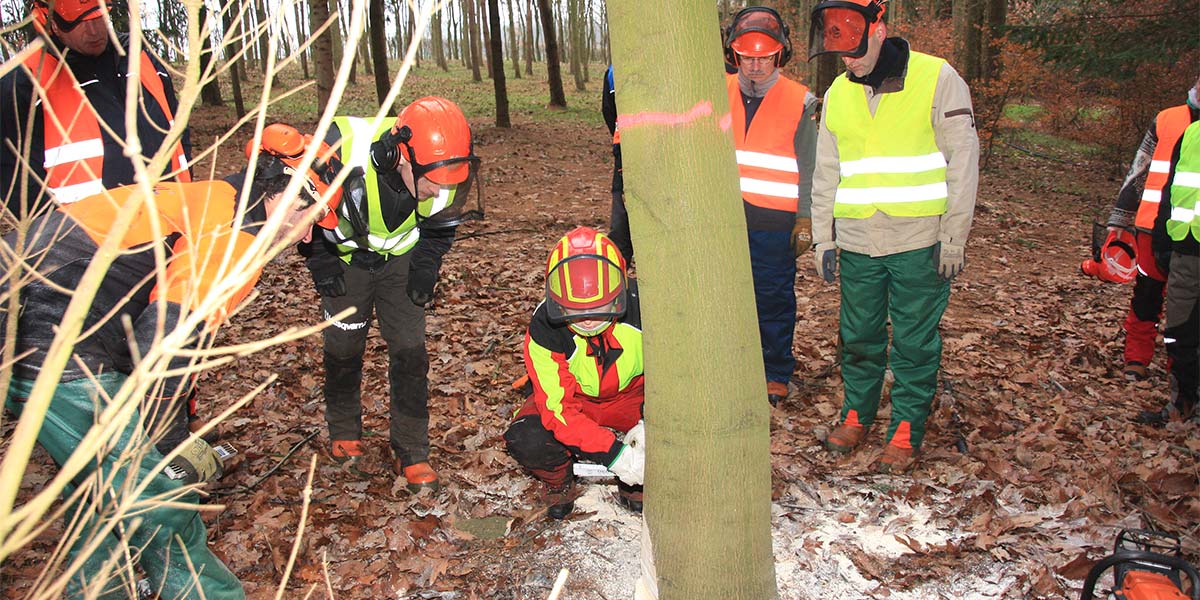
(842, 30)
(585, 287)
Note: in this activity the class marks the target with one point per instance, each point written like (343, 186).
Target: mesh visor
(455, 203)
(585, 286)
(841, 30)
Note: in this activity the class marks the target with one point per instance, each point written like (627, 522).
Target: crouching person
(204, 231)
(583, 356)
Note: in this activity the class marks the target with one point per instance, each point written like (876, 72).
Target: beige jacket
(880, 234)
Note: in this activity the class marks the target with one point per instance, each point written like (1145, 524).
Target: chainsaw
(1147, 565)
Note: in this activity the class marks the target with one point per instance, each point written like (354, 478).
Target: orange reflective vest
(766, 154)
(74, 145)
(1168, 127)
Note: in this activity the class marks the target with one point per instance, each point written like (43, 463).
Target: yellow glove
(801, 239)
(197, 463)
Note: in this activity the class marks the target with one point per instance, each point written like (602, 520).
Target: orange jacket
(766, 154)
(1168, 127)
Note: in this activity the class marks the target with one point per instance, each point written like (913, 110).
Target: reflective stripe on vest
(74, 148)
(357, 134)
(1168, 126)
(890, 162)
(766, 154)
(1185, 187)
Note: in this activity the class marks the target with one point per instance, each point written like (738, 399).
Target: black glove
(331, 286)
(420, 286)
(328, 272)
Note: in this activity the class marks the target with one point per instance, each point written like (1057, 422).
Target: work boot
(420, 476)
(1135, 371)
(629, 496)
(895, 459)
(346, 451)
(560, 499)
(1159, 418)
(845, 438)
(777, 391)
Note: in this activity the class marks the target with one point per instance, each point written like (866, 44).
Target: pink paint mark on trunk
(725, 122)
(701, 109)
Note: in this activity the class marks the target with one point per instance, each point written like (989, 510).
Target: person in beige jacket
(894, 189)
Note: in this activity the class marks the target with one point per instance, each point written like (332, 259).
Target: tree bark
(322, 47)
(472, 34)
(439, 51)
(263, 20)
(301, 38)
(485, 28)
(338, 40)
(708, 469)
(514, 50)
(210, 93)
(553, 72)
(529, 38)
(379, 55)
(237, 68)
(575, 29)
(996, 15)
(412, 33)
(967, 16)
(497, 56)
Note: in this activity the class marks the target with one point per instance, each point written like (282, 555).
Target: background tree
(514, 50)
(210, 94)
(497, 58)
(530, 38)
(322, 48)
(708, 498)
(439, 53)
(379, 55)
(472, 24)
(968, 14)
(553, 72)
(575, 33)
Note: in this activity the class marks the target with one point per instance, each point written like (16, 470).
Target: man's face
(863, 65)
(297, 222)
(757, 68)
(89, 37)
(424, 188)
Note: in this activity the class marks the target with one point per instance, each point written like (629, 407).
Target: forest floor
(1031, 466)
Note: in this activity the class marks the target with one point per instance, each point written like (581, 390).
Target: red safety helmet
(1116, 260)
(585, 281)
(284, 146)
(433, 134)
(843, 27)
(758, 31)
(68, 14)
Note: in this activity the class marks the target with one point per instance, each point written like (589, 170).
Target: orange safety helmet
(758, 31)
(68, 14)
(844, 27)
(283, 147)
(433, 135)
(585, 281)
(1115, 261)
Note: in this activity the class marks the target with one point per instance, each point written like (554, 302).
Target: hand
(197, 463)
(949, 259)
(637, 435)
(825, 260)
(420, 287)
(630, 464)
(801, 239)
(331, 286)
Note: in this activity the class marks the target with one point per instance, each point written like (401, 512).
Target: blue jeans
(773, 264)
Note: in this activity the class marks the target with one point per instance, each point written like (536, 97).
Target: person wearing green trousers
(132, 509)
(894, 191)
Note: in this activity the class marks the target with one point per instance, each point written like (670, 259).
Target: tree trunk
(339, 40)
(412, 33)
(301, 37)
(589, 39)
(263, 20)
(464, 37)
(967, 17)
(514, 50)
(996, 14)
(497, 56)
(575, 28)
(553, 73)
(364, 41)
(708, 469)
(237, 69)
(322, 47)
(485, 27)
(383, 79)
(439, 52)
(472, 34)
(529, 41)
(210, 93)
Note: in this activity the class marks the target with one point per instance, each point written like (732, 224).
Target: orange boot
(898, 455)
(847, 436)
(346, 451)
(420, 476)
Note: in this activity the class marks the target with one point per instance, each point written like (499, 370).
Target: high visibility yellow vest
(357, 134)
(890, 161)
(1185, 187)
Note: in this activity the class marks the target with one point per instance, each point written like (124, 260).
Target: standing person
(1176, 242)
(618, 227)
(382, 260)
(139, 300)
(1137, 212)
(76, 140)
(775, 133)
(583, 356)
(894, 189)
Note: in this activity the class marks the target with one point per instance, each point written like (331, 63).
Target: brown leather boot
(845, 438)
(895, 459)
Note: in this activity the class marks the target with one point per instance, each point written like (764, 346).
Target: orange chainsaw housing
(1143, 585)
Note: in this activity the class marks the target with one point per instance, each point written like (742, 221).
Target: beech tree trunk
(379, 54)
(708, 462)
(514, 50)
(553, 72)
(439, 52)
(323, 59)
(497, 56)
(472, 35)
(968, 14)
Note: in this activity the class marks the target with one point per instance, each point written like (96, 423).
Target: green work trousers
(906, 289)
(164, 541)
